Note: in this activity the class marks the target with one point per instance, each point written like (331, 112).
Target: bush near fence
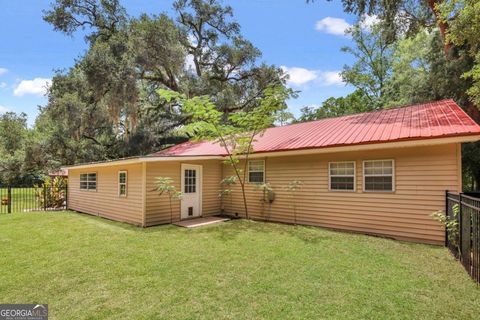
(50, 195)
(465, 208)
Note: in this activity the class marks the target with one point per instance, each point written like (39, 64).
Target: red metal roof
(62, 172)
(417, 122)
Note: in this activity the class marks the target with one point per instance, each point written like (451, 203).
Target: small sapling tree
(235, 132)
(226, 185)
(164, 185)
(293, 187)
(268, 195)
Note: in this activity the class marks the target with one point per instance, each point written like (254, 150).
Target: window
(190, 182)
(342, 176)
(122, 183)
(88, 181)
(378, 175)
(256, 171)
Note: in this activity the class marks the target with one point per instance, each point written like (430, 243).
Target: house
(61, 173)
(381, 173)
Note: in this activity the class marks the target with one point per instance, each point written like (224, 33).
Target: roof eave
(334, 149)
(138, 160)
(371, 146)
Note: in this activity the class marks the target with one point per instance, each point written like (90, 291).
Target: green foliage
(107, 106)
(370, 71)
(52, 193)
(450, 223)
(15, 159)
(463, 32)
(420, 51)
(354, 102)
(471, 166)
(268, 194)
(238, 132)
(13, 130)
(164, 185)
(104, 17)
(293, 187)
(226, 185)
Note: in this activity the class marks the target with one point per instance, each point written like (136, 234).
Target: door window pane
(190, 181)
(122, 183)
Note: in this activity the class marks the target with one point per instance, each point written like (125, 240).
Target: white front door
(191, 203)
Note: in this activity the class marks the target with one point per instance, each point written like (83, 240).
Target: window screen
(378, 175)
(342, 176)
(88, 181)
(256, 171)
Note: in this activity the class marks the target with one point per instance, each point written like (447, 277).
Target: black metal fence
(464, 240)
(32, 198)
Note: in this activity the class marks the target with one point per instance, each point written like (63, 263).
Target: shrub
(52, 193)
(450, 223)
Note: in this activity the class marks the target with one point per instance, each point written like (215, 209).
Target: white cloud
(300, 76)
(37, 86)
(331, 78)
(368, 21)
(3, 71)
(336, 26)
(4, 109)
(3, 85)
(339, 26)
(189, 63)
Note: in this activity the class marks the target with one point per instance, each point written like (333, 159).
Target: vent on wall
(190, 211)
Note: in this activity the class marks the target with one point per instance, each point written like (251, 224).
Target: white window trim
(336, 175)
(248, 171)
(96, 181)
(125, 183)
(379, 175)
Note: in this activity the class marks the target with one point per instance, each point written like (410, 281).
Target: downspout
(144, 194)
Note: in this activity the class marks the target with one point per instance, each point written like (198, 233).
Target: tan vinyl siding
(105, 201)
(157, 209)
(421, 177)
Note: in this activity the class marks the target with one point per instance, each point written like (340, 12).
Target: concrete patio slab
(198, 222)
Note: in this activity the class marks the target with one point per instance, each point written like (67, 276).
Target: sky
(304, 39)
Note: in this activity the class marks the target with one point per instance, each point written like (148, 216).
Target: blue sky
(303, 38)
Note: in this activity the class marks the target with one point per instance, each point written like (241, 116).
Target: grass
(86, 267)
(22, 199)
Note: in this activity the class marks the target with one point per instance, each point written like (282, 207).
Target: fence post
(446, 215)
(460, 226)
(9, 199)
(44, 197)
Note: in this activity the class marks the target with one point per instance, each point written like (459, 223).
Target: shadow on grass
(225, 231)
(230, 230)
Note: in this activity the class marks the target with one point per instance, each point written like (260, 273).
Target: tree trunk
(244, 200)
(443, 26)
(470, 107)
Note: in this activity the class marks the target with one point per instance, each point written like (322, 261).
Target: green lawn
(86, 267)
(22, 198)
